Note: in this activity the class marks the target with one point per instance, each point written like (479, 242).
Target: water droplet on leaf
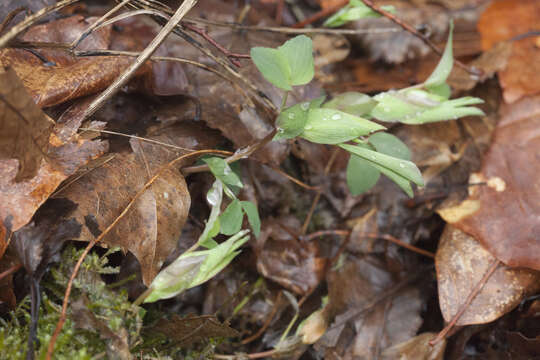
(336, 117)
(304, 106)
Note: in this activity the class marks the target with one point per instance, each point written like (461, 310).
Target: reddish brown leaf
(20, 200)
(461, 263)
(504, 20)
(294, 264)
(505, 215)
(24, 128)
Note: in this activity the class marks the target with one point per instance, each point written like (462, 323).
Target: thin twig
(97, 23)
(145, 55)
(319, 193)
(232, 56)
(386, 237)
(94, 241)
(29, 20)
(289, 30)
(240, 154)
(266, 323)
(418, 34)
(10, 271)
(474, 292)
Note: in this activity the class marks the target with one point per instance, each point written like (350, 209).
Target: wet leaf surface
(503, 215)
(461, 263)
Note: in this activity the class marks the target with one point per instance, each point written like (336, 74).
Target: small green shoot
(355, 10)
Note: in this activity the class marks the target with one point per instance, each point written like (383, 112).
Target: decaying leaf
(24, 128)
(417, 348)
(294, 264)
(461, 263)
(67, 151)
(510, 20)
(192, 329)
(353, 290)
(153, 225)
(504, 215)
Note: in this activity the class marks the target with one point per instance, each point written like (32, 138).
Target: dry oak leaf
(506, 20)
(504, 215)
(64, 77)
(417, 348)
(461, 262)
(66, 152)
(24, 128)
(152, 227)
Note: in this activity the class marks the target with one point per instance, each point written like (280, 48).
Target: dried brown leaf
(417, 348)
(461, 263)
(504, 214)
(24, 128)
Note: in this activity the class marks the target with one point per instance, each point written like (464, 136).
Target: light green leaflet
(289, 65)
(354, 103)
(398, 170)
(355, 10)
(253, 216)
(231, 218)
(291, 121)
(330, 126)
(223, 171)
(444, 67)
(195, 268)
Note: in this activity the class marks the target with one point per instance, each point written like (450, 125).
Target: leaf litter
(367, 298)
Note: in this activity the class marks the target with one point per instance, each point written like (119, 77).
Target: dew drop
(402, 165)
(280, 130)
(291, 116)
(336, 117)
(308, 127)
(304, 106)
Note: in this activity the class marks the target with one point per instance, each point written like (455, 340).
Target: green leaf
(390, 145)
(231, 219)
(223, 171)
(443, 69)
(291, 121)
(217, 258)
(354, 103)
(329, 126)
(448, 110)
(253, 216)
(355, 10)
(404, 168)
(392, 109)
(273, 66)
(211, 229)
(299, 54)
(361, 176)
(442, 90)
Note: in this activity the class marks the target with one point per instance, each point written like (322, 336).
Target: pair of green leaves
(230, 222)
(355, 10)
(289, 65)
(382, 153)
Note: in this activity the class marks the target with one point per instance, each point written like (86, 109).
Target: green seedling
(355, 10)
(349, 116)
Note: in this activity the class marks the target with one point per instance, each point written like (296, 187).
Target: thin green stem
(284, 101)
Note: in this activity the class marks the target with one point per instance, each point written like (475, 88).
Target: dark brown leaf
(417, 348)
(193, 329)
(24, 128)
(294, 264)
